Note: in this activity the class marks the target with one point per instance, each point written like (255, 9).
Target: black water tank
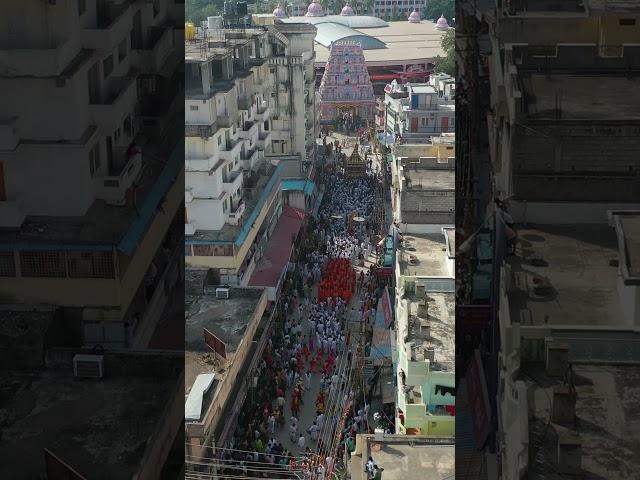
(241, 9)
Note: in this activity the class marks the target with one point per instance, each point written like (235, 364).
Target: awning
(306, 186)
(270, 267)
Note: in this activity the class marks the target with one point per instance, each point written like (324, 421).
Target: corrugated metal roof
(332, 32)
(193, 405)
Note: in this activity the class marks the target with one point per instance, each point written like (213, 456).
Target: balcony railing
(108, 110)
(38, 62)
(112, 189)
(109, 30)
(152, 55)
(204, 131)
(235, 215)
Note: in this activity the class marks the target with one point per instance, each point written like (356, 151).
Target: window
(128, 127)
(122, 50)
(94, 159)
(627, 22)
(424, 121)
(194, 108)
(42, 264)
(107, 66)
(82, 7)
(7, 264)
(90, 265)
(219, 139)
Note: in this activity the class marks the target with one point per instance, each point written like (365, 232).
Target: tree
(435, 8)
(447, 64)
(197, 11)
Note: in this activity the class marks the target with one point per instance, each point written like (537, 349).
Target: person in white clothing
(301, 441)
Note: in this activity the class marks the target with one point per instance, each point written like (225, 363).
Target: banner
(473, 318)
(478, 399)
(215, 343)
(386, 308)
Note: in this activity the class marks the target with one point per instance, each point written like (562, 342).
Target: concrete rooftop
(406, 42)
(406, 458)
(100, 428)
(441, 320)
(582, 97)
(564, 272)
(429, 179)
(423, 255)
(607, 421)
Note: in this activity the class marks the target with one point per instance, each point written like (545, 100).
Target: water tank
(241, 9)
(189, 31)
(214, 23)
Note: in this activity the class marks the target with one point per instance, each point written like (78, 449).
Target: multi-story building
(424, 332)
(86, 217)
(416, 110)
(219, 363)
(248, 106)
(556, 145)
(423, 184)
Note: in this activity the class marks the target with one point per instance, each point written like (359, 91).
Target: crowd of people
(312, 349)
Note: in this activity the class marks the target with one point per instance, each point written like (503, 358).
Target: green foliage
(435, 8)
(447, 64)
(198, 10)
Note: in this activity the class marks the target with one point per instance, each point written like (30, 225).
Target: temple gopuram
(346, 92)
(354, 164)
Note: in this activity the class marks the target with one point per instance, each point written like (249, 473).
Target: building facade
(415, 110)
(247, 107)
(92, 233)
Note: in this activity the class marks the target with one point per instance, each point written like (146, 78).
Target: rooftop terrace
(439, 317)
(423, 255)
(103, 225)
(607, 421)
(565, 275)
(101, 428)
(228, 319)
(582, 97)
(404, 458)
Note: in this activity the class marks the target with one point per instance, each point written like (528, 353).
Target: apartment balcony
(232, 181)
(11, 213)
(264, 141)
(118, 101)
(42, 61)
(9, 133)
(200, 130)
(264, 112)
(225, 121)
(203, 164)
(109, 29)
(235, 214)
(232, 149)
(153, 53)
(251, 159)
(112, 189)
(245, 102)
(249, 129)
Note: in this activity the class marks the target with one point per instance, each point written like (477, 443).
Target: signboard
(384, 272)
(478, 399)
(215, 343)
(473, 317)
(386, 308)
(56, 469)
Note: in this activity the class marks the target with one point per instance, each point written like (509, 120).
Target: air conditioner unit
(222, 293)
(88, 366)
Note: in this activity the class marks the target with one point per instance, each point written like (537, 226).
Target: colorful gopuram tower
(346, 87)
